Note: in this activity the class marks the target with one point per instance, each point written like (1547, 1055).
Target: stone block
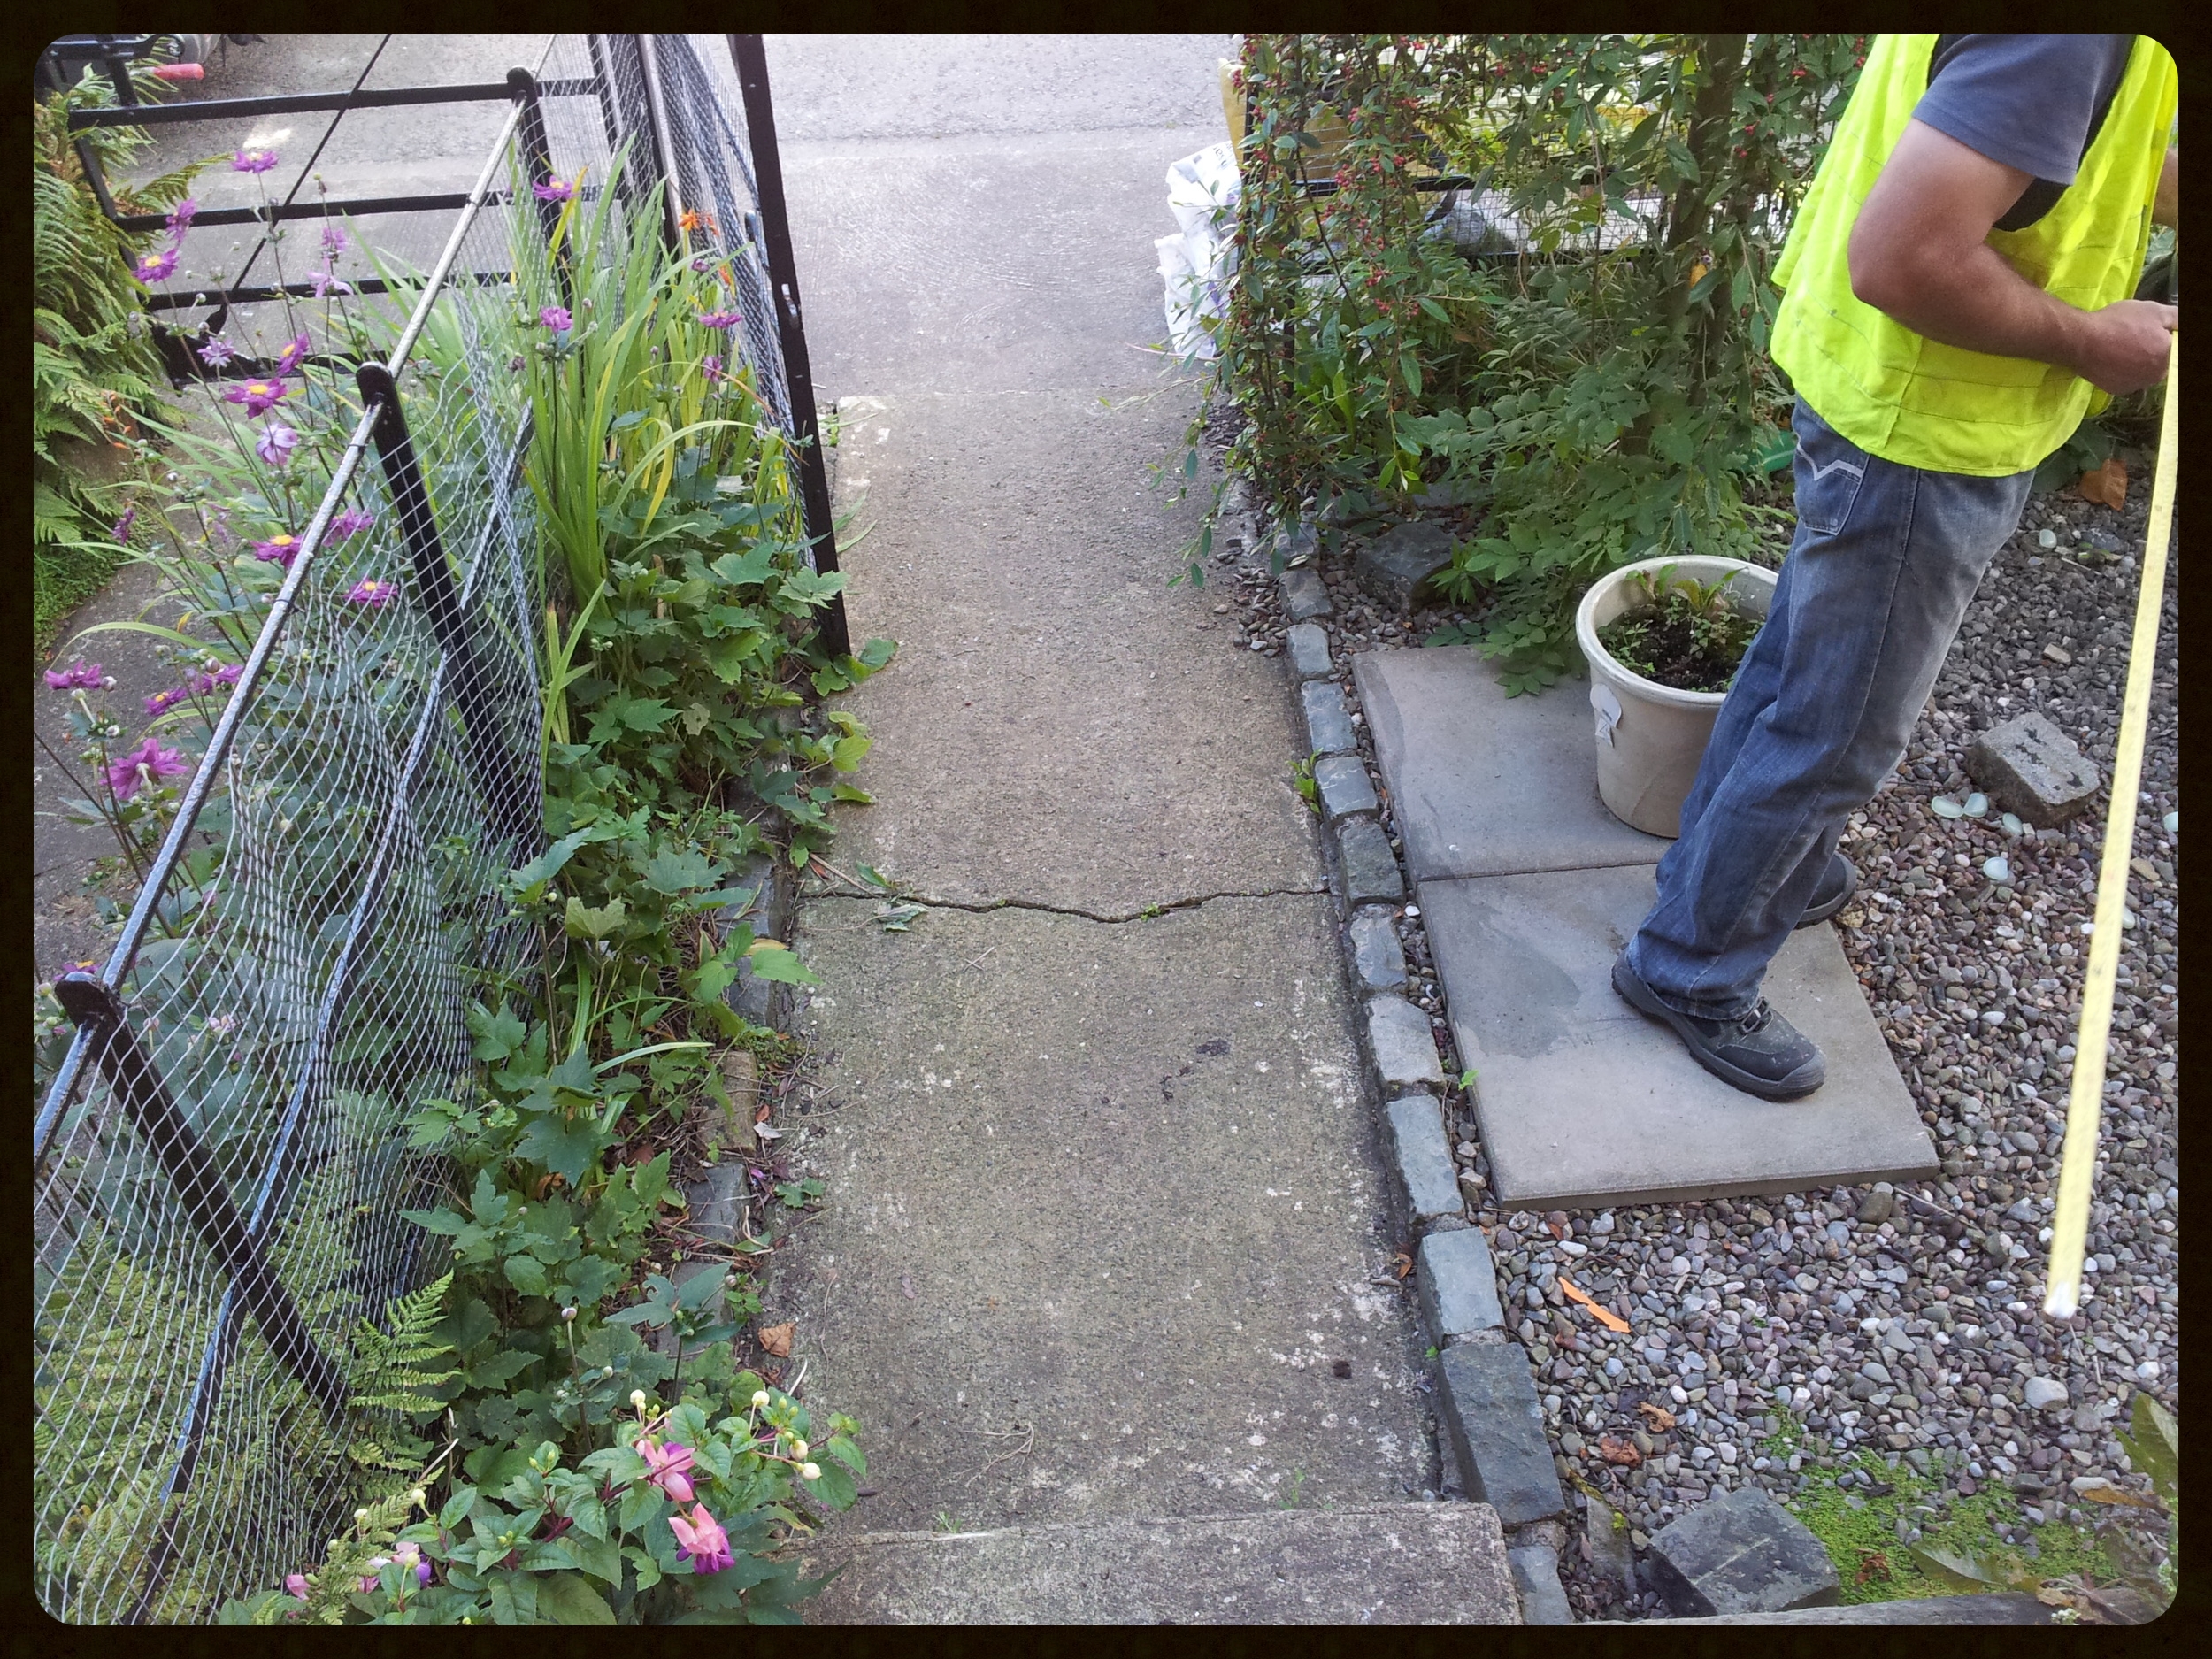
(1379, 959)
(1611, 1550)
(1328, 722)
(1536, 1576)
(1344, 787)
(1304, 593)
(1308, 645)
(2030, 767)
(1396, 565)
(1743, 1552)
(1404, 1048)
(763, 1002)
(1459, 1284)
(1294, 538)
(715, 1202)
(1496, 1425)
(1424, 1160)
(1370, 869)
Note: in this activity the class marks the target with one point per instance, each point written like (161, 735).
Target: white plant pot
(1651, 737)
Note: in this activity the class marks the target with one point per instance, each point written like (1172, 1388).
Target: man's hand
(1919, 252)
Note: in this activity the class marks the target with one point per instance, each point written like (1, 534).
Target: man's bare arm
(1919, 252)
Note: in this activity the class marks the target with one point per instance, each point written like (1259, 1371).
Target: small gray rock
(1876, 1207)
(1396, 565)
(1536, 1576)
(2031, 768)
(1304, 595)
(1610, 1551)
(1370, 869)
(2041, 1393)
(1328, 722)
(1405, 1053)
(1376, 953)
(1425, 1164)
(1344, 787)
(1459, 1284)
(1741, 1553)
(1308, 650)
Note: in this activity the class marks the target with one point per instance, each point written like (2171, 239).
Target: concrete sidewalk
(1105, 1231)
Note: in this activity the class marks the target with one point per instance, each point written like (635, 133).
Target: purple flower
(121, 529)
(162, 702)
(281, 549)
(253, 161)
(557, 190)
(325, 284)
(258, 396)
(720, 319)
(206, 681)
(293, 355)
(181, 216)
(276, 443)
(68, 968)
(334, 238)
(373, 593)
(217, 351)
(152, 267)
(149, 763)
(85, 675)
(557, 319)
(701, 1539)
(350, 522)
(712, 364)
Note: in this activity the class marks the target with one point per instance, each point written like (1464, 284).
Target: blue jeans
(1885, 559)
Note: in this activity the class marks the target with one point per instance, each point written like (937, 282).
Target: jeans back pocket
(1829, 470)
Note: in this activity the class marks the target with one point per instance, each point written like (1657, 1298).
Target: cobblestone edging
(1485, 1382)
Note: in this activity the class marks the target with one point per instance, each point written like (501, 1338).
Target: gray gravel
(1904, 1324)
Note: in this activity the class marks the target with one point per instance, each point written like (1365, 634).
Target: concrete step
(1400, 1563)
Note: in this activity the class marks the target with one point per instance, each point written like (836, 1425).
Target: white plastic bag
(1197, 264)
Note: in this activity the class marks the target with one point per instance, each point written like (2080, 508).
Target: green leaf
(834, 1487)
(526, 1274)
(565, 1145)
(846, 752)
(498, 1035)
(773, 962)
(2154, 1447)
(684, 869)
(639, 1504)
(564, 1598)
(749, 568)
(530, 880)
(583, 922)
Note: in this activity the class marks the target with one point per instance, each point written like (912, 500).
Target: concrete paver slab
(1483, 784)
(1584, 1103)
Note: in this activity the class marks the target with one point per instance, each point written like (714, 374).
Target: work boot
(1760, 1052)
(1838, 882)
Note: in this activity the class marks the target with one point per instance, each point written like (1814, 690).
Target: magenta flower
(162, 702)
(294, 354)
(217, 351)
(276, 443)
(181, 216)
(712, 364)
(558, 191)
(720, 319)
(281, 549)
(121, 529)
(149, 763)
(295, 1585)
(325, 284)
(84, 675)
(334, 238)
(373, 594)
(152, 267)
(76, 967)
(557, 319)
(258, 396)
(701, 1539)
(350, 522)
(253, 161)
(208, 679)
(667, 1467)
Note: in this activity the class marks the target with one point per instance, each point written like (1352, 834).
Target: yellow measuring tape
(2069, 1226)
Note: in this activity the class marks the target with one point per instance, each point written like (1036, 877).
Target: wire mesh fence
(220, 1166)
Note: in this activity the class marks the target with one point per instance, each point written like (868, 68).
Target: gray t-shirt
(2033, 102)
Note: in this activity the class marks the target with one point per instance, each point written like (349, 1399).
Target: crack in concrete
(984, 907)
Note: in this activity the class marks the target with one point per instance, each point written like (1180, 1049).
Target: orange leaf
(1603, 1314)
(777, 1338)
(1615, 1450)
(1401, 1264)
(1662, 1419)
(2117, 1494)
(2106, 484)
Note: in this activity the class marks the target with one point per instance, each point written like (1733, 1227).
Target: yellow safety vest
(1913, 400)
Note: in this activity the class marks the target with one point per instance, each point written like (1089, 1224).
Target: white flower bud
(568, 1316)
(798, 1447)
(760, 1398)
(809, 1472)
(637, 1398)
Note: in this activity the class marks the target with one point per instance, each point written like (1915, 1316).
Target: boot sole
(1638, 995)
(1820, 913)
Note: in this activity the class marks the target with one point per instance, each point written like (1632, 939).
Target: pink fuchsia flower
(217, 351)
(258, 396)
(253, 161)
(68, 968)
(557, 319)
(208, 679)
(153, 267)
(720, 319)
(350, 522)
(84, 675)
(162, 702)
(149, 763)
(276, 443)
(181, 216)
(554, 190)
(373, 594)
(295, 1585)
(325, 284)
(701, 1539)
(294, 354)
(281, 549)
(667, 1467)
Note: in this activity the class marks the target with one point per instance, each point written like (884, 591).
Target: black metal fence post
(510, 799)
(750, 56)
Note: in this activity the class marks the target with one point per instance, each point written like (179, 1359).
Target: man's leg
(1886, 561)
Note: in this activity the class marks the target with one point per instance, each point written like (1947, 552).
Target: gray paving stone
(1370, 869)
(1536, 1576)
(763, 1002)
(1743, 1552)
(1376, 955)
(1424, 1160)
(1396, 565)
(1459, 1284)
(1404, 1048)
(1496, 1425)
(1484, 785)
(1584, 1103)
(2003, 1607)
(1304, 595)
(1293, 540)
(1346, 787)
(2030, 767)
(1328, 722)
(1308, 650)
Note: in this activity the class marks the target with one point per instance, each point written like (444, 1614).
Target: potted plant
(1663, 638)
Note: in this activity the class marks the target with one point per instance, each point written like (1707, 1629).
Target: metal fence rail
(219, 1166)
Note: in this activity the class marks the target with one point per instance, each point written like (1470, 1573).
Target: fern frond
(396, 1372)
